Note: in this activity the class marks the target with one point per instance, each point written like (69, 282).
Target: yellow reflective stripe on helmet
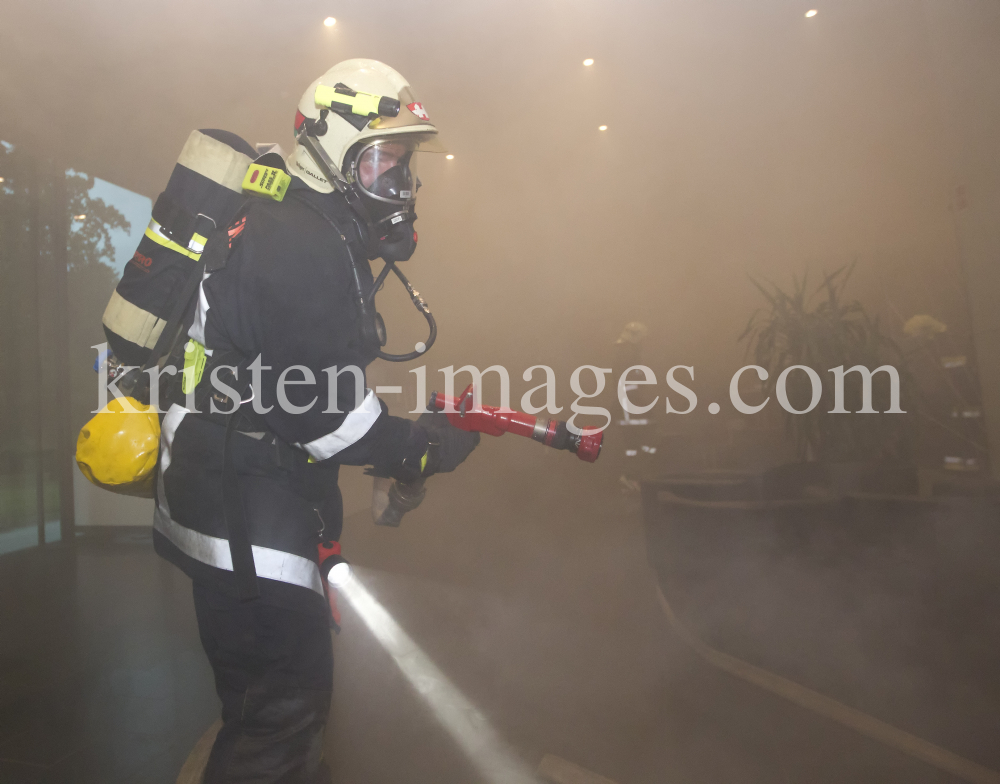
(155, 232)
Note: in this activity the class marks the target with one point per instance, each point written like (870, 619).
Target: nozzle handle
(464, 414)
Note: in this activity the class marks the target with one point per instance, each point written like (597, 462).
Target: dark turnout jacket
(282, 313)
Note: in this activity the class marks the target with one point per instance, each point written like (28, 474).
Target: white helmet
(358, 101)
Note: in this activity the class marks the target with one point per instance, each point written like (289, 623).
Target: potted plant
(823, 329)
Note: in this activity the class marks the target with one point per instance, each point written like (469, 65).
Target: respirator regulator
(380, 184)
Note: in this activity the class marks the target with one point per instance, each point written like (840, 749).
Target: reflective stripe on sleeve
(270, 564)
(352, 430)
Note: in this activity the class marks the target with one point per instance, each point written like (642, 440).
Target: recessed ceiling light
(589, 61)
(811, 13)
(79, 217)
(602, 128)
(1, 179)
(450, 157)
(329, 21)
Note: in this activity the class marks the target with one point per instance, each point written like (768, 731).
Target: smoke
(742, 140)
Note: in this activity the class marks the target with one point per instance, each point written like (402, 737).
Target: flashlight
(332, 565)
(343, 100)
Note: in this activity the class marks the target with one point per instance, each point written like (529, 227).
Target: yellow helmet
(117, 449)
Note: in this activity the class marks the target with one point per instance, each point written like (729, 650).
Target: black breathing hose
(367, 304)
(418, 303)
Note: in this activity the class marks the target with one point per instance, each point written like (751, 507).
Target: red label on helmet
(418, 110)
(299, 119)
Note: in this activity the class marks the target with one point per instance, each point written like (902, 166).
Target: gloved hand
(449, 445)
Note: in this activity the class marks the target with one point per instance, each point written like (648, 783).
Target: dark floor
(536, 604)
(101, 674)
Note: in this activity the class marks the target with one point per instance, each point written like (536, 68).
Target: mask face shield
(386, 172)
(385, 169)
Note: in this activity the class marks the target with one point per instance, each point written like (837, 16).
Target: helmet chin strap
(366, 227)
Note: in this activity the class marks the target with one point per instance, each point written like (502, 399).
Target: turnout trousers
(274, 674)
(272, 656)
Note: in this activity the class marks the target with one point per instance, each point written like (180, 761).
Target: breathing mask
(383, 173)
(380, 188)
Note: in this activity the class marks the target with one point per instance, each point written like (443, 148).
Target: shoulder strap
(213, 257)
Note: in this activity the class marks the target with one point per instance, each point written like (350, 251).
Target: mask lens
(386, 171)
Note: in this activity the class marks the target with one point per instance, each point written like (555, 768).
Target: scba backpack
(151, 308)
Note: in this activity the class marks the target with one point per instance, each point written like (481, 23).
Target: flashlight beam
(466, 724)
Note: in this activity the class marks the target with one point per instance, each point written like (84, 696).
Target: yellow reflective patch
(268, 181)
(153, 232)
(194, 366)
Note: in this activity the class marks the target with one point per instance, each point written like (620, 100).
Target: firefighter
(243, 498)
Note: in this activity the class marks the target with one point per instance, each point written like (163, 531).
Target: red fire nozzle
(493, 421)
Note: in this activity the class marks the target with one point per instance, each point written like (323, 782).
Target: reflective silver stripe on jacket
(211, 550)
(197, 330)
(352, 430)
(171, 421)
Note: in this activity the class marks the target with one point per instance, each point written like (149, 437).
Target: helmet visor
(386, 170)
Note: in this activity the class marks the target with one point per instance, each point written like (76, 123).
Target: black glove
(449, 446)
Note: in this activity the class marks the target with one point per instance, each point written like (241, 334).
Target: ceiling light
(329, 21)
(1, 179)
(450, 157)
(810, 14)
(79, 217)
(589, 61)
(602, 128)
